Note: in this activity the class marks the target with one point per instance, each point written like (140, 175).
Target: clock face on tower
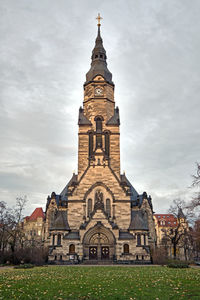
(98, 91)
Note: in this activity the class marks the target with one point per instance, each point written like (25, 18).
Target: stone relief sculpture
(99, 200)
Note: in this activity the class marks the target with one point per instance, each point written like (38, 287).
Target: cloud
(153, 52)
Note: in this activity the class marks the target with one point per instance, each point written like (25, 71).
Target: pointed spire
(99, 64)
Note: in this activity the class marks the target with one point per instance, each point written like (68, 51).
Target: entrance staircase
(97, 262)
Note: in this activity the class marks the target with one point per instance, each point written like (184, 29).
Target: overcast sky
(153, 50)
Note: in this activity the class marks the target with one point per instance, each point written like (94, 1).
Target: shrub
(177, 264)
(25, 266)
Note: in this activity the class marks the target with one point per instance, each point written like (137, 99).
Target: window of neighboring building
(142, 257)
(138, 239)
(59, 240)
(60, 257)
(126, 248)
(137, 258)
(71, 249)
(55, 257)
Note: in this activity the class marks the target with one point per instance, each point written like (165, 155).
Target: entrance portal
(99, 243)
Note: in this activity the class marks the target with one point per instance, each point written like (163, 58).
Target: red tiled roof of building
(38, 213)
(167, 220)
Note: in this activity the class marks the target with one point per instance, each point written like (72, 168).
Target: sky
(153, 50)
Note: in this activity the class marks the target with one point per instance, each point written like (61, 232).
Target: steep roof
(99, 64)
(60, 222)
(82, 119)
(166, 220)
(38, 213)
(114, 120)
(138, 220)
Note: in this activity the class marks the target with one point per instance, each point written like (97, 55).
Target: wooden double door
(99, 252)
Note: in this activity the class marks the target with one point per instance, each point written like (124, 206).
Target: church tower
(99, 119)
(99, 215)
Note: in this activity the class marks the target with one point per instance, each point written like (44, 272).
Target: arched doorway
(99, 243)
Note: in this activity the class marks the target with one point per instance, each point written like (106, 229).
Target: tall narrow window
(59, 240)
(89, 207)
(53, 240)
(108, 208)
(90, 144)
(98, 132)
(126, 248)
(98, 124)
(107, 144)
(139, 240)
(144, 239)
(71, 249)
(99, 140)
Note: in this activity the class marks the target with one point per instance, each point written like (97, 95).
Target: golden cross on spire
(99, 18)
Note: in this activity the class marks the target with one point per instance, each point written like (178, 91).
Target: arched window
(139, 240)
(59, 240)
(108, 208)
(126, 248)
(98, 124)
(107, 144)
(71, 249)
(89, 207)
(90, 144)
(98, 131)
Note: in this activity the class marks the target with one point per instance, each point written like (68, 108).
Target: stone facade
(99, 215)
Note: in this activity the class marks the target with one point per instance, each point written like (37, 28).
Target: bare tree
(179, 233)
(16, 232)
(195, 202)
(5, 218)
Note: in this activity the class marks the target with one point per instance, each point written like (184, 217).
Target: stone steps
(97, 262)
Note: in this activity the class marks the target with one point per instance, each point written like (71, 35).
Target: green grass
(104, 282)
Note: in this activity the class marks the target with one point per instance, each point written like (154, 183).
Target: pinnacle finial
(99, 18)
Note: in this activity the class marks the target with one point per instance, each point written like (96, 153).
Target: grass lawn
(104, 282)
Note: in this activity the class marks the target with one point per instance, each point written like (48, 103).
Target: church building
(99, 216)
